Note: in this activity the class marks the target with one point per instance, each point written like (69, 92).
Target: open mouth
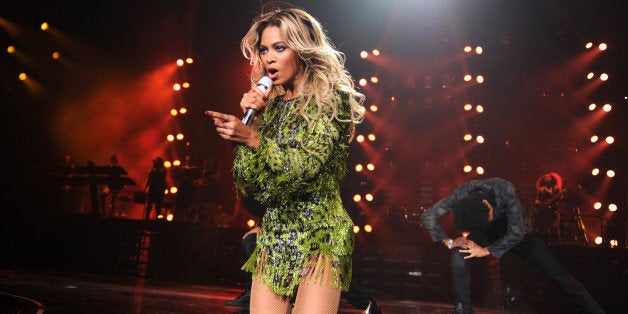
(272, 73)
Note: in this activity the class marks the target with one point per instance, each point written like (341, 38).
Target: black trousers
(533, 251)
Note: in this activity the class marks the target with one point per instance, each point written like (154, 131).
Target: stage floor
(59, 292)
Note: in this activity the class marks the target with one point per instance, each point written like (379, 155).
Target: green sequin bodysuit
(296, 173)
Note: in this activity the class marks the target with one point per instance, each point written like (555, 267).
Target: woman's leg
(318, 294)
(265, 301)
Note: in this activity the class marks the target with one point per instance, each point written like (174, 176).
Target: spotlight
(590, 75)
(174, 112)
(479, 108)
(604, 77)
(588, 45)
(374, 79)
(370, 166)
(479, 79)
(44, 26)
(480, 139)
(167, 164)
(610, 173)
(180, 62)
(250, 223)
(22, 76)
(356, 229)
(11, 49)
(375, 52)
(467, 49)
(189, 60)
(55, 55)
(360, 138)
(364, 54)
(173, 190)
(478, 50)
(595, 171)
(597, 205)
(358, 167)
(357, 198)
(180, 136)
(368, 197)
(371, 137)
(612, 207)
(467, 168)
(610, 140)
(613, 243)
(170, 137)
(592, 106)
(467, 77)
(186, 85)
(362, 82)
(368, 228)
(468, 107)
(176, 86)
(607, 107)
(373, 108)
(594, 138)
(183, 110)
(467, 137)
(598, 240)
(479, 170)
(602, 46)
(176, 162)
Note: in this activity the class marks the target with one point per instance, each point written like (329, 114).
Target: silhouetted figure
(155, 187)
(186, 177)
(549, 192)
(112, 187)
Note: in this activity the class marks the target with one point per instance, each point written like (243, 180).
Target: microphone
(263, 84)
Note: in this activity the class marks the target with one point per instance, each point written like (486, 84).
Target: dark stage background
(110, 93)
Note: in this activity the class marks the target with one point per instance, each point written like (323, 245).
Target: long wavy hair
(324, 72)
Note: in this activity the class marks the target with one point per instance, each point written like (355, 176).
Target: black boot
(243, 300)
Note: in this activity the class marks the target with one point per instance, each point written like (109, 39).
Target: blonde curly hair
(323, 66)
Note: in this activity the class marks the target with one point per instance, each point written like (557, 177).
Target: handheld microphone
(263, 84)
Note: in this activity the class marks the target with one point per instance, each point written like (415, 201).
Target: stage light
(364, 54)
(478, 50)
(189, 60)
(11, 49)
(176, 86)
(173, 190)
(479, 170)
(370, 166)
(590, 75)
(183, 110)
(597, 205)
(467, 77)
(479, 79)
(467, 49)
(612, 207)
(371, 137)
(167, 164)
(250, 223)
(373, 108)
(169, 217)
(186, 85)
(362, 109)
(170, 137)
(613, 243)
(356, 229)
(598, 240)
(374, 79)
(360, 138)
(467, 168)
(180, 136)
(604, 77)
(174, 112)
(392, 98)
(479, 108)
(55, 55)
(467, 137)
(610, 173)
(465, 233)
(359, 167)
(595, 171)
(368, 197)
(362, 82)
(480, 139)
(607, 107)
(44, 26)
(176, 162)
(357, 198)
(610, 140)
(588, 45)
(368, 228)
(594, 138)
(180, 62)
(468, 107)
(375, 52)
(592, 106)
(602, 46)
(22, 76)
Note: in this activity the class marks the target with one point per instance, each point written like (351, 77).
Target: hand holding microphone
(264, 84)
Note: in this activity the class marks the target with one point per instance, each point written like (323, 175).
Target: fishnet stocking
(265, 301)
(317, 294)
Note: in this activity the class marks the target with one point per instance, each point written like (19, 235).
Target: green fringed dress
(296, 174)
